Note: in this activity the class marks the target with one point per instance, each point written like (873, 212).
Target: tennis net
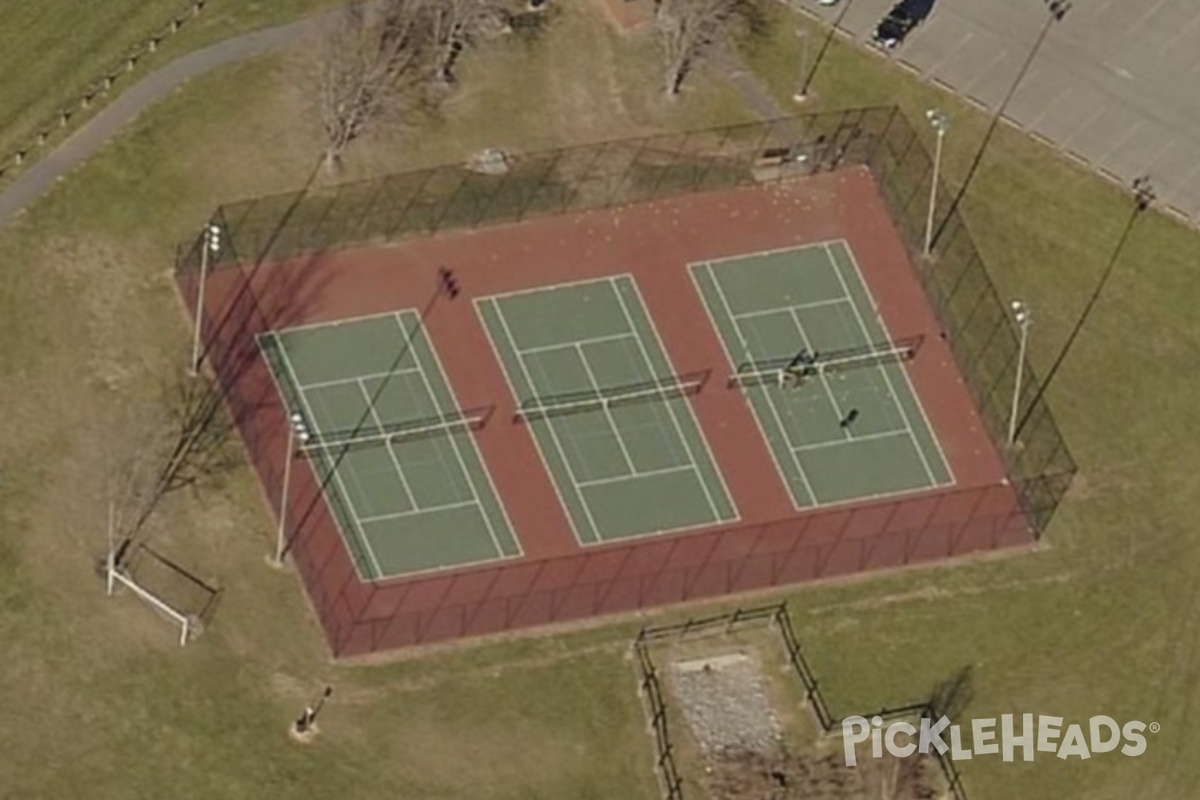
(794, 369)
(458, 421)
(601, 399)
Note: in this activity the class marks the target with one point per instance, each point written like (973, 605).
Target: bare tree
(370, 64)
(455, 25)
(153, 449)
(689, 30)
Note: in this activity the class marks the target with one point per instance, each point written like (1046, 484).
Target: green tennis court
(851, 428)
(401, 470)
(608, 413)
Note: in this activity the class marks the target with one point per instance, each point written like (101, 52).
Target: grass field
(60, 48)
(101, 701)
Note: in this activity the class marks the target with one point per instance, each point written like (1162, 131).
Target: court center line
(362, 534)
(612, 423)
(415, 511)
(782, 431)
(766, 312)
(846, 442)
(837, 407)
(937, 443)
(642, 347)
(544, 348)
(647, 474)
(487, 474)
(367, 377)
(412, 500)
(508, 334)
(462, 465)
(882, 368)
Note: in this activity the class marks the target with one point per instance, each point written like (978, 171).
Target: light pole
(802, 93)
(940, 124)
(1024, 320)
(211, 244)
(297, 429)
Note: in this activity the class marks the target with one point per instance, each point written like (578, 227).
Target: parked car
(900, 21)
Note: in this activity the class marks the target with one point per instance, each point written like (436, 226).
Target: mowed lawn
(52, 51)
(102, 703)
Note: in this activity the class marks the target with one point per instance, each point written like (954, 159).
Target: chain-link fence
(979, 327)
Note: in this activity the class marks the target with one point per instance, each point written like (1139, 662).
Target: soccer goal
(189, 626)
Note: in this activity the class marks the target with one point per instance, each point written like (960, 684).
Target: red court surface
(556, 580)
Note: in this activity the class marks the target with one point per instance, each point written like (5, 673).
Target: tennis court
(608, 413)
(396, 455)
(825, 381)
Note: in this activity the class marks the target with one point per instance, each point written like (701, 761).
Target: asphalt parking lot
(1114, 84)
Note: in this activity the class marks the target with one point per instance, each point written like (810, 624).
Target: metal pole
(1021, 311)
(212, 242)
(939, 122)
(802, 93)
(110, 561)
(296, 427)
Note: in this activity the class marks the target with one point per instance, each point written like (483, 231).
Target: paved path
(39, 178)
(1114, 84)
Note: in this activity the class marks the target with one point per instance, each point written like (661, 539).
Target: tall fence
(361, 617)
(670, 778)
(979, 326)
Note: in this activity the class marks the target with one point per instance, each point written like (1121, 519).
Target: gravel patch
(725, 704)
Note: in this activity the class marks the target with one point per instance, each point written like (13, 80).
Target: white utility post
(940, 124)
(297, 429)
(1024, 320)
(802, 92)
(211, 244)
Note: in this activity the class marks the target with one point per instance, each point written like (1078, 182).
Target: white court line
(774, 251)
(912, 390)
(362, 535)
(415, 511)
(549, 288)
(712, 506)
(631, 476)
(543, 348)
(549, 425)
(766, 312)
(462, 464)
(844, 442)
(707, 266)
(612, 423)
(337, 323)
(412, 501)
(862, 326)
(367, 377)
(837, 407)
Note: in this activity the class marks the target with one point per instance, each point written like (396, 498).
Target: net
(657, 390)
(399, 432)
(793, 370)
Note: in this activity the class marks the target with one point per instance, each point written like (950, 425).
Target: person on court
(848, 420)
